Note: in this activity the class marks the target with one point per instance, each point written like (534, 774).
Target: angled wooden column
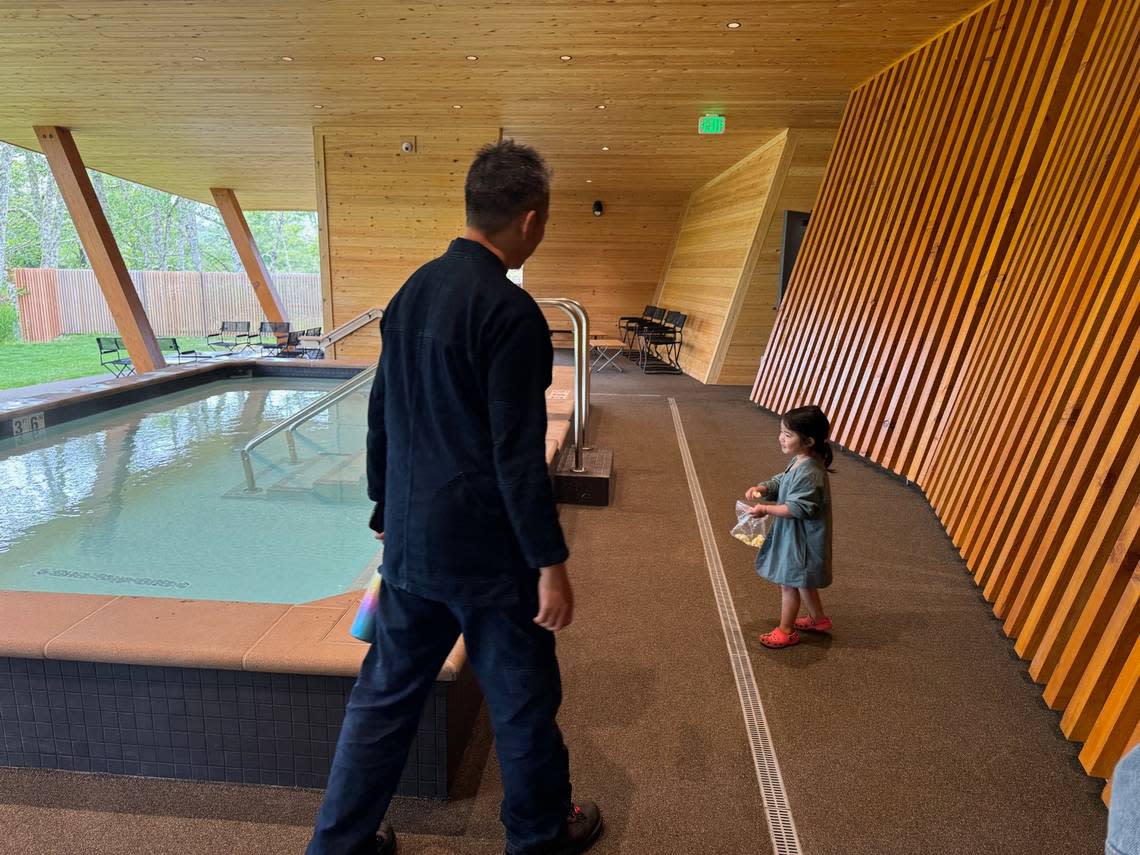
(99, 244)
(255, 268)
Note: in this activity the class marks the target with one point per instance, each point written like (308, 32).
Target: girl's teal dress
(797, 552)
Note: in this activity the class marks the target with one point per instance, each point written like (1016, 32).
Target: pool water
(151, 499)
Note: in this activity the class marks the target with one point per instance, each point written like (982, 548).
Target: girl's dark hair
(810, 423)
(506, 179)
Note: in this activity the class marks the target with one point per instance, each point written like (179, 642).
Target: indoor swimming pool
(150, 499)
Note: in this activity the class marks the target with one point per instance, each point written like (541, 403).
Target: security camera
(407, 146)
(598, 208)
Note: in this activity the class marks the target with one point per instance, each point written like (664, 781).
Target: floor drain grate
(781, 826)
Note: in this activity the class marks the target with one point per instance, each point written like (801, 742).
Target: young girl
(797, 552)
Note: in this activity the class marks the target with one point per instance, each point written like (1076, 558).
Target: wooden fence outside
(55, 302)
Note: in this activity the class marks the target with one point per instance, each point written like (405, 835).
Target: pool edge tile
(163, 631)
(346, 600)
(297, 644)
(31, 620)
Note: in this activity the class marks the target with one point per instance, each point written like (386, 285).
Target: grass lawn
(25, 364)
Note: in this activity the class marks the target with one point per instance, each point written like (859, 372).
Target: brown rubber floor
(913, 730)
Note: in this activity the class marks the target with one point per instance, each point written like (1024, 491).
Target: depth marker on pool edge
(781, 826)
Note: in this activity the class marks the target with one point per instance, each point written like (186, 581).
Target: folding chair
(629, 324)
(605, 351)
(276, 331)
(232, 335)
(170, 346)
(110, 350)
(655, 322)
(309, 349)
(292, 347)
(663, 346)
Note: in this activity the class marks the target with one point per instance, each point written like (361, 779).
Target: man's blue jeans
(1124, 811)
(515, 662)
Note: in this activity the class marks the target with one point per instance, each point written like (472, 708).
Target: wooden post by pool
(99, 244)
(255, 268)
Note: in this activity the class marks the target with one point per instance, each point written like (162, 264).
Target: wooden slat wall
(804, 159)
(707, 269)
(965, 308)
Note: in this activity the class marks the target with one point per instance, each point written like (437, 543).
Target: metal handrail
(302, 415)
(579, 321)
(344, 330)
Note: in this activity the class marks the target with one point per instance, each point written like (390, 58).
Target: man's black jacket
(457, 433)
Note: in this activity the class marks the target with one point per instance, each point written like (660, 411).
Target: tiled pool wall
(76, 406)
(209, 724)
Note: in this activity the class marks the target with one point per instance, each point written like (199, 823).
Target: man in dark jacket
(456, 466)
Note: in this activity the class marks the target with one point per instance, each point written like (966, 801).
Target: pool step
(346, 482)
(302, 479)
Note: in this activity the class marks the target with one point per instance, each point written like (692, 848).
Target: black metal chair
(232, 335)
(271, 337)
(170, 347)
(629, 325)
(312, 351)
(654, 323)
(628, 322)
(292, 348)
(111, 350)
(662, 346)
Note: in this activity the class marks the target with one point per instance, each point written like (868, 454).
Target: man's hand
(754, 493)
(758, 511)
(555, 598)
(376, 522)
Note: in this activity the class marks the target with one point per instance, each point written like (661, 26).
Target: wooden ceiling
(187, 95)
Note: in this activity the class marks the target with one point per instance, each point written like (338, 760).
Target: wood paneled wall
(612, 263)
(714, 252)
(795, 189)
(965, 308)
(723, 267)
(383, 213)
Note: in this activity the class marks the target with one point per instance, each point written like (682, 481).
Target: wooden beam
(255, 268)
(98, 242)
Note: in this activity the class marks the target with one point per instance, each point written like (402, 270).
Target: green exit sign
(710, 124)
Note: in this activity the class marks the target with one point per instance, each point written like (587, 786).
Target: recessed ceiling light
(589, 180)
(601, 106)
(605, 148)
(286, 59)
(565, 57)
(318, 106)
(734, 25)
(378, 58)
(471, 57)
(199, 59)
(456, 106)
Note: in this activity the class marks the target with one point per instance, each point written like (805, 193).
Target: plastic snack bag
(750, 529)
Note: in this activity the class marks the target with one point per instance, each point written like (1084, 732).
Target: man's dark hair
(507, 179)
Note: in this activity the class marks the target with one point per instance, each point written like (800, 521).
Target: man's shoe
(386, 839)
(582, 828)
